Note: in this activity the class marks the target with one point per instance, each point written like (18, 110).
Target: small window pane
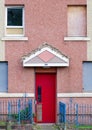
(14, 16)
(39, 94)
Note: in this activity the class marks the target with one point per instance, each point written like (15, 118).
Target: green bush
(23, 114)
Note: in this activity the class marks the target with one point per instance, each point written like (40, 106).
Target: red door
(46, 97)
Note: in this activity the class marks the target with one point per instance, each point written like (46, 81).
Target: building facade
(46, 53)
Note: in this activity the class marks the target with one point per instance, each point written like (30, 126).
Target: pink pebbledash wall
(45, 21)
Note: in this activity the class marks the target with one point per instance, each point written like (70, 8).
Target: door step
(43, 127)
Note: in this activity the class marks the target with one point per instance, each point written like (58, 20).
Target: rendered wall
(45, 21)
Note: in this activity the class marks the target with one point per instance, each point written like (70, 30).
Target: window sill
(17, 95)
(60, 95)
(77, 39)
(14, 38)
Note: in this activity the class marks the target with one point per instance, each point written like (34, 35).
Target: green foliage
(2, 123)
(23, 114)
(71, 127)
(84, 127)
(36, 127)
(56, 127)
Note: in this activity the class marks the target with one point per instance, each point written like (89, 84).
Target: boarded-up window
(87, 76)
(3, 76)
(77, 21)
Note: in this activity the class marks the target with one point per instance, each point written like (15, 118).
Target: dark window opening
(14, 16)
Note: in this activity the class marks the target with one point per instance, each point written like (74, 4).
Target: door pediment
(45, 56)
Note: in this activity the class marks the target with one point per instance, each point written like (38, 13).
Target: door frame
(47, 71)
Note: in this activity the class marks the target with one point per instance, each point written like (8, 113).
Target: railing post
(19, 111)
(60, 120)
(62, 112)
(9, 110)
(77, 115)
(30, 109)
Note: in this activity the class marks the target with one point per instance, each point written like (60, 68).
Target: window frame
(14, 27)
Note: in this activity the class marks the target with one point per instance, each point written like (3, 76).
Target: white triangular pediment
(45, 56)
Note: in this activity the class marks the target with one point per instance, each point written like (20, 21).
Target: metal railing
(73, 113)
(17, 110)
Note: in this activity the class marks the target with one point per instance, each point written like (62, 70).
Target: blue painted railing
(73, 113)
(20, 110)
(62, 112)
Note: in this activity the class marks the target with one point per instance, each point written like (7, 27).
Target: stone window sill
(14, 38)
(77, 39)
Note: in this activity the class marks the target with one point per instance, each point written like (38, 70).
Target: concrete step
(43, 127)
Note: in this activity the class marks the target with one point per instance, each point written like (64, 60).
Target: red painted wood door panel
(46, 95)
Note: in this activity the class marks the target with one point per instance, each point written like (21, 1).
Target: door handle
(35, 102)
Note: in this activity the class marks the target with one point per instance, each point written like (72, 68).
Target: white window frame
(14, 27)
